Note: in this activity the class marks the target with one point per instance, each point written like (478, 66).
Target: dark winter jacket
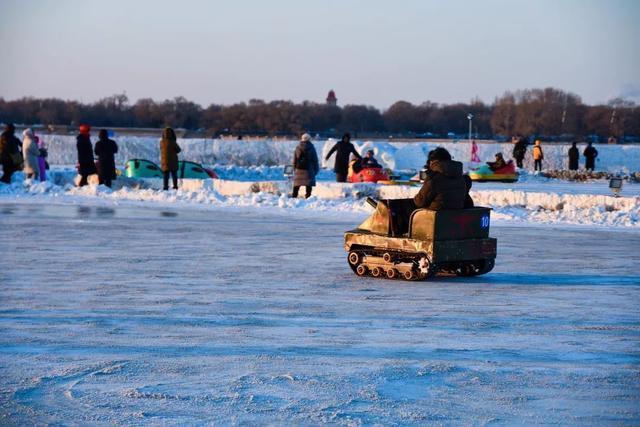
(85, 155)
(498, 164)
(302, 176)
(370, 162)
(9, 144)
(574, 158)
(105, 150)
(590, 153)
(444, 187)
(169, 150)
(342, 149)
(520, 149)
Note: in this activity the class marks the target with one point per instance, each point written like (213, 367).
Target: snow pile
(393, 155)
(508, 204)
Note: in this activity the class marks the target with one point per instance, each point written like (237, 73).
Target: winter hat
(439, 153)
(85, 129)
(305, 137)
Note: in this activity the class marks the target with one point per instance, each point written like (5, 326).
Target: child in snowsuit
(537, 156)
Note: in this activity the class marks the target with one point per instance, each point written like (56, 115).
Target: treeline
(534, 112)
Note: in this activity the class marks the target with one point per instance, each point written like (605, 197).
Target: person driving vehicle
(444, 186)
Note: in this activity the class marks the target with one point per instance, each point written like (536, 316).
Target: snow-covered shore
(539, 201)
(393, 155)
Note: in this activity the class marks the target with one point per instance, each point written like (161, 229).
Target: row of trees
(540, 112)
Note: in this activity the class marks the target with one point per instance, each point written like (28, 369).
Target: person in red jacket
(86, 163)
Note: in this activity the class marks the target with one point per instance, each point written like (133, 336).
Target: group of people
(28, 155)
(306, 164)
(590, 153)
(520, 149)
(106, 149)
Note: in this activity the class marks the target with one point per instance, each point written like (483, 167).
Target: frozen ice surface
(170, 315)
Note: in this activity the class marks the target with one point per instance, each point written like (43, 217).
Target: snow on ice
(176, 316)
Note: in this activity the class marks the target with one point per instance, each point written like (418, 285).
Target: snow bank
(393, 155)
(508, 204)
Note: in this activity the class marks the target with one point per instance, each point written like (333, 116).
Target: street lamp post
(470, 117)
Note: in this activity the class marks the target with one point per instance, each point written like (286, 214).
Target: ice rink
(170, 315)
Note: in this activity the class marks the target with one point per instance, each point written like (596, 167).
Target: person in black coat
(445, 186)
(590, 153)
(10, 148)
(574, 157)
(105, 149)
(369, 161)
(519, 150)
(86, 164)
(343, 149)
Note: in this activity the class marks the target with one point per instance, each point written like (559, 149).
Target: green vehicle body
(192, 170)
(398, 241)
(140, 168)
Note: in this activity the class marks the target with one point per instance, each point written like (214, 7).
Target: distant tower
(331, 98)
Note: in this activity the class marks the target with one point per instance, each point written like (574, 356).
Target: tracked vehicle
(399, 241)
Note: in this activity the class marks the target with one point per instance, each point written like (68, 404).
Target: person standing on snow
(305, 166)
(169, 150)
(574, 157)
(42, 159)
(105, 150)
(342, 149)
(590, 154)
(537, 156)
(10, 153)
(30, 153)
(519, 150)
(87, 166)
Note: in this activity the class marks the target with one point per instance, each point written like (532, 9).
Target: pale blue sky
(370, 52)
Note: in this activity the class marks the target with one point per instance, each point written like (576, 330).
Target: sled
(359, 173)
(484, 173)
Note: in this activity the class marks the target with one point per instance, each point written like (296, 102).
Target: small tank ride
(399, 241)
